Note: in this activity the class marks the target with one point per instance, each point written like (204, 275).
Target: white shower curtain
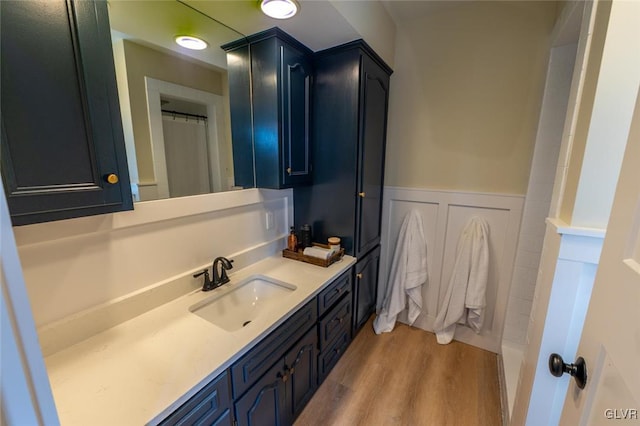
(187, 156)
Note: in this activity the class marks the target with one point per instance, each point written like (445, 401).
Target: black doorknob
(577, 370)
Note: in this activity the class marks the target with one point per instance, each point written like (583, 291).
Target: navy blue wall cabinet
(351, 91)
(62, 148)
(270, 83)
(350, 101)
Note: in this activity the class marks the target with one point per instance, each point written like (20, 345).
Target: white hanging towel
(408, 274)
(464, 300)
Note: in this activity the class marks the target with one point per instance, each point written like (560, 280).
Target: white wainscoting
(444, 215)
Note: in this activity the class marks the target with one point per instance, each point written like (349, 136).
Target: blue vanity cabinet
(365, 288)
(270, 76)
(334, 326)
(265, 402)
(254, 364)
(283, 391)
(210, 406)
(272, 383)
(275, 379)
(300, 363)
(62, 145)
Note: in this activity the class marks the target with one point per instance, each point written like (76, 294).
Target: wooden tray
(297, 255)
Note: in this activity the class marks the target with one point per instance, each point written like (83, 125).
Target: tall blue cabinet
(349, 126)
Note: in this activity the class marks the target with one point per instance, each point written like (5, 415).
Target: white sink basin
(242, 302)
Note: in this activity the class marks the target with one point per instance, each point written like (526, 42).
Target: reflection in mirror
(174, 101)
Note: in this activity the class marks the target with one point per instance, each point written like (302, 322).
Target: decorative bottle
(292, 242)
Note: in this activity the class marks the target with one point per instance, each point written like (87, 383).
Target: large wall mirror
(174, 101)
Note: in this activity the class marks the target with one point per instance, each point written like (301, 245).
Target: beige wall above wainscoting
(138, 62)
(466, 96)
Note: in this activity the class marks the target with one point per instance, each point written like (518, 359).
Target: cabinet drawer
(261, 357)
(328, 359)
(334, 291)
(206, 406)
(337, 321)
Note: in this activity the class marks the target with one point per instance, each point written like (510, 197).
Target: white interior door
(610, 341)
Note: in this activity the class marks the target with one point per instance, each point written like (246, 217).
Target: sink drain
(245, 323)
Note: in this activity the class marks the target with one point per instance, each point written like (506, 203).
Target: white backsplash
(73, 265)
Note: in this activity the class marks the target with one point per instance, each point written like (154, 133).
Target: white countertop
(142, 370)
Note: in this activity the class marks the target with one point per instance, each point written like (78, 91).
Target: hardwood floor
(406, 378)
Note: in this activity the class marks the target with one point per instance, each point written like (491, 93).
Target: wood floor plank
(406, 378)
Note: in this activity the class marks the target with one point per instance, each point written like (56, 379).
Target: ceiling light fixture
(191, 42)
(279, 9)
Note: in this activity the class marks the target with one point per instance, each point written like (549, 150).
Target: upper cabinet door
(239, 76)
(374, 97)
(270, 76)
(63, 149)
(296, 115)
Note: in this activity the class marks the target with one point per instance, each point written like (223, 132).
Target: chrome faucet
(218, 278)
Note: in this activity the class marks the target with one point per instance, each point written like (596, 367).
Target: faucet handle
(205, 272)
(208, 284)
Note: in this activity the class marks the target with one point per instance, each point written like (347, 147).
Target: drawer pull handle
(361, 194)
(338, 290)
(337, 350)
(359, 276)
(293, 370)
(289, 170)
(283, 377)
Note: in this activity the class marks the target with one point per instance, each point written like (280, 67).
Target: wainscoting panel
(444, 215)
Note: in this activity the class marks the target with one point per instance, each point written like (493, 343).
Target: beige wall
(466, 95)
(374, 24)
(142, 61)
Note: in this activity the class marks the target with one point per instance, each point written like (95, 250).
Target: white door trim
(215, 129)
(26, 396)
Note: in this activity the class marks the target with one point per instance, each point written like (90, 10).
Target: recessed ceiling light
(279, 9)
(191, 42)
